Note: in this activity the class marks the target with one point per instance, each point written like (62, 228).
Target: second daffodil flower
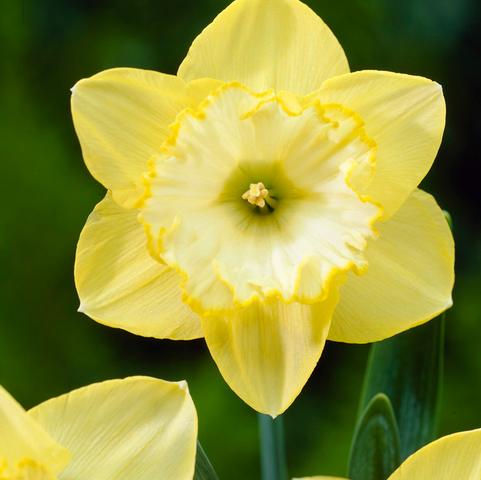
(137, 428)
(265, 198)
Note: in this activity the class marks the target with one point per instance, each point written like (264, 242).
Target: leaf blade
(375, 447)
(203, 468)
(408, 369)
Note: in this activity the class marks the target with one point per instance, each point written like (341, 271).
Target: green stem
(273, 452)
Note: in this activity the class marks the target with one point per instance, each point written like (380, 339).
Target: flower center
(258, 195)
(286, 236)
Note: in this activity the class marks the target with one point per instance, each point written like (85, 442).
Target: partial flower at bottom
(265, 198)
(137, 428)
(456, 456)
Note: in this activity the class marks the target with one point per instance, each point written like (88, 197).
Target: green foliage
(408, 369)
(375, 447)
(203, 468)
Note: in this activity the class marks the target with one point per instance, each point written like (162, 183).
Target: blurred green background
(47, 348)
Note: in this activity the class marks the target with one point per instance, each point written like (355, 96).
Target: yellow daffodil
(456, 456)
(265, 198)
(137, 428)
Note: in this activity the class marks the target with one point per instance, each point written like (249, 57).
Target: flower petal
(22, 439)
(409, 279)
(121, 286)
(139, 427)
(404, 115)
(453, 456)
(320, 478)
(121, 117)
(267, 351)
(280, 44)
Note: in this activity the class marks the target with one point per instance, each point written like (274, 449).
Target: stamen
(257, 195)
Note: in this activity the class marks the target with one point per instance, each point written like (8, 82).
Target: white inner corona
(286, 236)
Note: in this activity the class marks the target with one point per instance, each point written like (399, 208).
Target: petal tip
(183, 386)
(74, 88)
(449, 303)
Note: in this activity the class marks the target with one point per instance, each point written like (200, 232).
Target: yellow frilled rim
(316, 161)
(25, 469)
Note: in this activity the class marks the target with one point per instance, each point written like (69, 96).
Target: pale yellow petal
(267, 351)
(280, 44)
(404, 115)
(24, 442)
(456, 456)
(121, 285)
(121, 117)
(409, 279)
(321, 478)
(138, 428)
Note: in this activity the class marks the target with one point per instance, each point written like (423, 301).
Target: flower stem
(273, 452)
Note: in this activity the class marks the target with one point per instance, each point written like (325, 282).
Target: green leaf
(203, 468)
(408, 369)
(375, 446)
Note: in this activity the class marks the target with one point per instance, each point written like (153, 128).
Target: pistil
(258, 195)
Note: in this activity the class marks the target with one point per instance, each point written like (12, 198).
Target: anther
(257, 195)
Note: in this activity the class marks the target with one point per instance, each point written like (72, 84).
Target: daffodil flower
(265, 198)
(456, 456)
(137, 428)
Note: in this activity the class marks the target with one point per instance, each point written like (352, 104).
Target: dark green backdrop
(46, 348)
